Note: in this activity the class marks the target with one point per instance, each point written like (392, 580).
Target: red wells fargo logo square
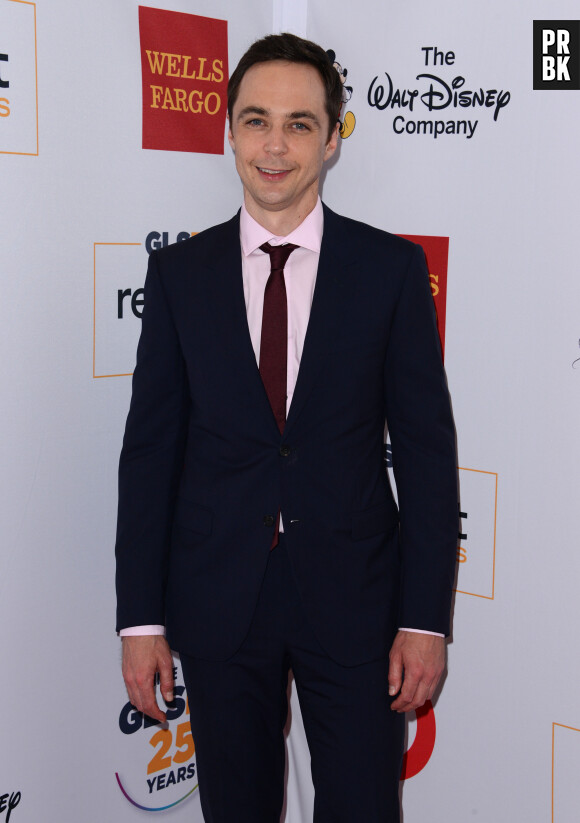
(184, 65)
(437, 254)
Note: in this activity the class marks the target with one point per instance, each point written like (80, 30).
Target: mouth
(272, 174)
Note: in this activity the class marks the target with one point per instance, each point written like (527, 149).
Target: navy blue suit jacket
(203, 470)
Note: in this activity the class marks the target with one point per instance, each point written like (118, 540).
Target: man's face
(279, 133)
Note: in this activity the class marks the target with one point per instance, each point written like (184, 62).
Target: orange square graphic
(477, 533)
(565, 769)
(437, 255)
(18, 78)
(184, 66)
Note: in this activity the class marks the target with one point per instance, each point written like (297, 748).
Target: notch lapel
(332, 293)
(225, 292)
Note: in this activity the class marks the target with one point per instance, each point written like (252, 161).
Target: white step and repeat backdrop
(108, 149)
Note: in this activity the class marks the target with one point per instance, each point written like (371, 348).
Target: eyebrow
(252, 110)
(294, 115)
(304, 115)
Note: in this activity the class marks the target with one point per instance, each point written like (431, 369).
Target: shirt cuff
(139, 631)
(422, 631)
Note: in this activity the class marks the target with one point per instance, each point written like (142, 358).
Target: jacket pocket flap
(192, 516)
(376, 520)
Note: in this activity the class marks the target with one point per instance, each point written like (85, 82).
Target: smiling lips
(272, 174)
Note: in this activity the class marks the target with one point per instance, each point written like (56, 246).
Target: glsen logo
(477, 533)
(556, 54)
(157, 782)
(18, 86)
(437, 255)
(8, 803)
(435, 94)
(158, 240)
(184, 65)
(119, 272)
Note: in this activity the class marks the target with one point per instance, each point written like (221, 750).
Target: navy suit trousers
(239, 710)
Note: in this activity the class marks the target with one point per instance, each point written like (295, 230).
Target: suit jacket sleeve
(424, 455)
(151, 462)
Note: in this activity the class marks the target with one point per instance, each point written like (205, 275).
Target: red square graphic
(437, 254)
(184, 66)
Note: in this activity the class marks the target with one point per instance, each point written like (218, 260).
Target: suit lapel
(332, 293)
(228, 307)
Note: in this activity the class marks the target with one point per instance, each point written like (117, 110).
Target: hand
(416, 662)
(143, 656)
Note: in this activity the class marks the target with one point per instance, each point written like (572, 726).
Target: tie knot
(278, 254)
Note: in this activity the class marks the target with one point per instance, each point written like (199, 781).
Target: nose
(276, 141)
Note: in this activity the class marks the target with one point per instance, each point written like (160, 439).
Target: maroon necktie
(274, 340)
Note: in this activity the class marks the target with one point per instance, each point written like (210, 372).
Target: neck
(281, 223)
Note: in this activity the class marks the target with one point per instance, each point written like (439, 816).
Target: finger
(418, 694)
(402, 704)
(142, 693)
(395, 672)
(148, 702)
(411, 684)
(410, 703)
(166, 677)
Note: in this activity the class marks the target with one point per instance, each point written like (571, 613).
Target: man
(264, 543)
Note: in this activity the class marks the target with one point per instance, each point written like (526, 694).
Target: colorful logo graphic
(184, 65)
(556, 54)
(419, 753)
(18, 83)
(154, 782)
(348, 120)
(437, 255)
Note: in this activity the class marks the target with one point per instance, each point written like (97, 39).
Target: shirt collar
(308, 234)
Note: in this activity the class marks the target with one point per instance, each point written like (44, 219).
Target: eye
(255, 121)
(300, 127)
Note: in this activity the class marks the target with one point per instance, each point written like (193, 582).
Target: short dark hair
(295, 50)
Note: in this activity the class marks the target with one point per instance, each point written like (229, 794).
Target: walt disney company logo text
(435, 94)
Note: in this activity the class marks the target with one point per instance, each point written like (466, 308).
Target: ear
(332, 143)
(231, 140)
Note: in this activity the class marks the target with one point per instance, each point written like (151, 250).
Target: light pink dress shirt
(300, 278)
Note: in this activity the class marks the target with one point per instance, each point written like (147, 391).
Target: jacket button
(284, 451)
(269, 520)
